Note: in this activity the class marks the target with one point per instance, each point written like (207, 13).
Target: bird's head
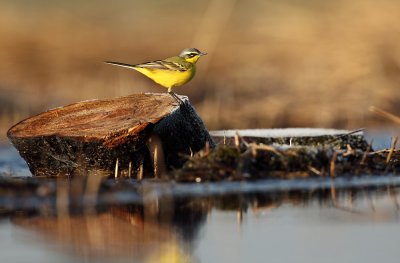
(191, 54)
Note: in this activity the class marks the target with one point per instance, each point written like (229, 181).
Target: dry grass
(271, 63)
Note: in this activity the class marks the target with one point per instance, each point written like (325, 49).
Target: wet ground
(318, 220)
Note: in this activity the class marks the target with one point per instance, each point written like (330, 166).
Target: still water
(82, 220)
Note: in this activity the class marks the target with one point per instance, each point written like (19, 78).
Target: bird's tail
(120, 64)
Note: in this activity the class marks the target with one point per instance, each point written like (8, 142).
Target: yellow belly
(168, 78)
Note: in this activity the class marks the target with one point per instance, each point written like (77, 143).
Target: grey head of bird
(191, 54)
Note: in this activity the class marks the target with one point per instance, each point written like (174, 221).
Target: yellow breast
(168, 78)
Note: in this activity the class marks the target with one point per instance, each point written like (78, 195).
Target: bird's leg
(170, 92)
(176, 98)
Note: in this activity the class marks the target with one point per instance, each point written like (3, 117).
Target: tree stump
(143, 133)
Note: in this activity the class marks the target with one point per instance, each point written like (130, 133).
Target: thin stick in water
(116, 168)
(130, 169)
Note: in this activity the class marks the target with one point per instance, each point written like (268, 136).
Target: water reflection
(98, 219)
(112, 234)
(146, 228)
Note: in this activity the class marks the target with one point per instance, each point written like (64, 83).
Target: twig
(332, 164)
(349, 151)
(366, 153)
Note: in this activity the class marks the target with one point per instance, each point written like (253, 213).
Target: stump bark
(121, 136)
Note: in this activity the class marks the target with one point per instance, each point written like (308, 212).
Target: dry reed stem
(263, 147)
(116, 168)
(155, 162)
(130, 169)
(140, 172)
(159, 166)
(315, 170)
(384, 114)
(237, 141)
(393, 146)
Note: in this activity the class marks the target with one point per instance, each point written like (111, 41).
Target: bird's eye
(191, 55)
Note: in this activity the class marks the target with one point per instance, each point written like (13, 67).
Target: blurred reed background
(271, 63)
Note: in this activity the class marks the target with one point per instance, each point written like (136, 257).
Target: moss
(256, 161)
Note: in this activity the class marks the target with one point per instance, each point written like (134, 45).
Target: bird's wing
(173, 64)
(164, 65)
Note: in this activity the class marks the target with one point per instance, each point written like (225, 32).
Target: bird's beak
(202, 54)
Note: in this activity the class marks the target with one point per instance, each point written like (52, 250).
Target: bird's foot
(176, 97)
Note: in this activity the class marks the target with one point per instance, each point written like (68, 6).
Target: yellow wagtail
(170, 72)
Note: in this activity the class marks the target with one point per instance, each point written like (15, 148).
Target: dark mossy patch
(248, 161)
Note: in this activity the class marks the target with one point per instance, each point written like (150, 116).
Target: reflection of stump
(103, 134)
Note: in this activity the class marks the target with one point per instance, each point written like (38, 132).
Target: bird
(170, 72)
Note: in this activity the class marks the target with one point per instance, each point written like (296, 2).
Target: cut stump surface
(93, 135)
